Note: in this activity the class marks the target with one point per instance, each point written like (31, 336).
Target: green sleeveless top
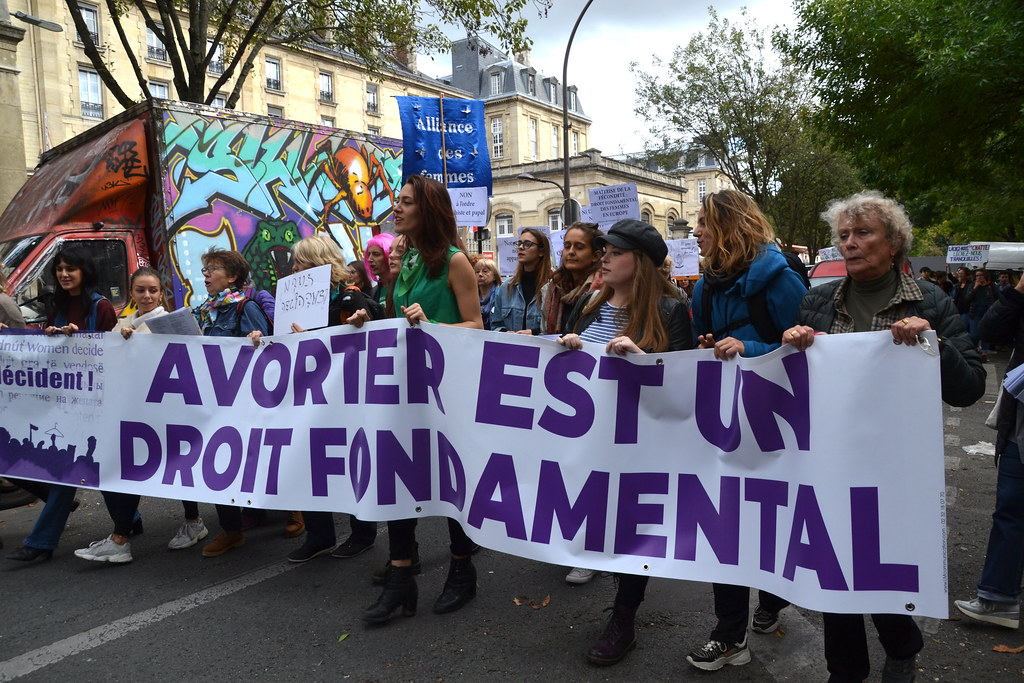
(435, 297)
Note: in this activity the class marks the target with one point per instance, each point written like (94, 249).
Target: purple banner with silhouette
(817, 476)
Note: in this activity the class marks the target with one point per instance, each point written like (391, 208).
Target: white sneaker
(106, 550)
(579, 575)
(190, 533)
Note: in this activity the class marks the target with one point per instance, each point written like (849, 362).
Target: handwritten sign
(508, 259)
(470, 204)
(967, 253)
(685, 257)
(829, 254)
(613, 203)
(303, 298)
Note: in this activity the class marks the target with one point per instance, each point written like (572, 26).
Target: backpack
(757, 307)
(239, 306)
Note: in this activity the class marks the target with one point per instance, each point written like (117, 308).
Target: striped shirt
(608, 324)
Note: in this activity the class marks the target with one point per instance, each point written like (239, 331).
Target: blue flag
(461, 152)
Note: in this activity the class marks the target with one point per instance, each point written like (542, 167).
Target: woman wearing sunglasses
(518, 306)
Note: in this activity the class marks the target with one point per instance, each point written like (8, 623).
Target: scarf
(413, 267)
(207, 311)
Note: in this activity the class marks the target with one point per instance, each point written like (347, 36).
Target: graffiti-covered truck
(163, 182)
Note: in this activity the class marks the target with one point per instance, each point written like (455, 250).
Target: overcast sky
(611, 35)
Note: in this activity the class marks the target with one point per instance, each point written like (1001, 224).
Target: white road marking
(952, 462)
(952, 421)
(101, 635)
(950, 496)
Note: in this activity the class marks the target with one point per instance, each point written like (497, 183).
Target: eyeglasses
(206, 270)
(524, 244)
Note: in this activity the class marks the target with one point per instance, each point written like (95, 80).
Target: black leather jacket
(1003, 323)
(675, 316)
(963, 375)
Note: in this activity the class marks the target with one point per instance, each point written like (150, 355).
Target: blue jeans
(52, 520)
(972, 328)
(1004, 561)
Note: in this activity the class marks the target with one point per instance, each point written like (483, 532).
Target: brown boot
(223, 543)
(295, 526)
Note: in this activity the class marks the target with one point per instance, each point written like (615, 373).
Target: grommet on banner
(926, 346)
(910, 607)
(660, 361)
(647, 567)
(419, 509)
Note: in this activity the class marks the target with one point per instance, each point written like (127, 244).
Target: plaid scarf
(907, 293)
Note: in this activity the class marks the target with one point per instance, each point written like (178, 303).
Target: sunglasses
(523, 244)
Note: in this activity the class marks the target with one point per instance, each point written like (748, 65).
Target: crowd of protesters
(612, 289)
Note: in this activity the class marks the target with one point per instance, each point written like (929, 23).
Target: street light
(570, 216)
(575, 216)
(41, 23)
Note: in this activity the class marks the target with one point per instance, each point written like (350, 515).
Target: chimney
(523, 57)
(406, 56)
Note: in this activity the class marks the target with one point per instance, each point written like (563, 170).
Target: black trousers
(320, 529)
(846, 643)
(632, 588)
(121, 507)
(402, 535)
(732, 607)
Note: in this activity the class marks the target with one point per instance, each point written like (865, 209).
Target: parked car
(826, 271)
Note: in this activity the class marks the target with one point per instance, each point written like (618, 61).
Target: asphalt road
(251, 615)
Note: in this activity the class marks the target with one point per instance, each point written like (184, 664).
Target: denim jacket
(228, 325)
(509, 306)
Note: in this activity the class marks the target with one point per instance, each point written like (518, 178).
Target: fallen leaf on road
(1011, 650)
(342, 637)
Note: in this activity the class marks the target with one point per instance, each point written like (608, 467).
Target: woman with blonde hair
(518, 305)
(488, 280)
(747, 296)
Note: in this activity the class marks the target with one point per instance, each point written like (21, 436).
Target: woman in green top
(436, 284)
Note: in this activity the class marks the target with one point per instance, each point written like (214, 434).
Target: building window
(275, 112)
(497, 83)
(273, 73)
(497, 138)
(531, 84)
(503, 224)
(217, 58)
(533, 138)
(373, 130)
(575, 143)
(555, 219)
(327, 121)
(572, 100)
(645, 216)
(702, 190)
(91, 97)
(554, 92)
(154, 48)
(91, 16)
(158, 89)
(554, 142)
(326, 87)
(372, 98)
(219, 101)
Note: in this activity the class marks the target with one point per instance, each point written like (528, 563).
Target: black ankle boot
(459, 587)
(399, 591)
(617, 639)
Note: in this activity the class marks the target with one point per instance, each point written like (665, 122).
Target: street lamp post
(574, 207)
(573, 213)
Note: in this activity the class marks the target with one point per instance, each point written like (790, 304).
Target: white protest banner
(967, 253)
(508, 257)
(673, 465)
(557, 238)
(685, 257)
(470, 204)
(585, 214)
(614, 203)
(829, 254)
(303, 298)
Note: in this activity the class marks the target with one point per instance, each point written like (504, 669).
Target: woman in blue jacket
(519, 304)
(746, 298)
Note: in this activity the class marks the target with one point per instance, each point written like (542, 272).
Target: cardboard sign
(303, 298)
(613, 203)
(470, 205)
(685, 257)
(967, 253)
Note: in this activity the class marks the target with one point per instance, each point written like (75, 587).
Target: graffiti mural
(243, 182)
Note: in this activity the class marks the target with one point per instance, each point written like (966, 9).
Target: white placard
(829, 254)
(180, 321)
(613, 203)
(967, 253)
(685, 257)
(470, 204)
(557, 238)
(508, 259)
(303, 298)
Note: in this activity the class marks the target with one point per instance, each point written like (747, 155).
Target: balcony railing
(157, 52)
(273, 84)
(217, 67)
(326, 95)
(91, 110)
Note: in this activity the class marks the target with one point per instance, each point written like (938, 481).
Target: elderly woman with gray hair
(874, 235)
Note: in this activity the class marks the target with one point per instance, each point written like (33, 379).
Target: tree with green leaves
(725, 92)
(927, 96)
(233, 32)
